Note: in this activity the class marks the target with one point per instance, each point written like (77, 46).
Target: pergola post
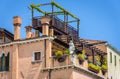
(93, 56)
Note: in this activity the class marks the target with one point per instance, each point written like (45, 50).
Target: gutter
(113, 48)
(45, 52)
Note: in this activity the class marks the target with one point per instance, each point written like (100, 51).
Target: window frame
(5, 62)
(33, 57)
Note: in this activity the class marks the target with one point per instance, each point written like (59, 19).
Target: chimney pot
(17, 23)
(45, 25)
(17, 20)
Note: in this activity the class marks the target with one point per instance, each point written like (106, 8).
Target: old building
(54, 52)
(112, 56)
(113, 62)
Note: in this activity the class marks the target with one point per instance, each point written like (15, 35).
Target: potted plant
(104, 69)
(97, 59)
(58, 53)
(59, 56)
(81, 58)
(67, 51)
(83, 51)
(93, 68)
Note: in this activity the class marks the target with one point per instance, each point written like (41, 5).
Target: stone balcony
(66, 60)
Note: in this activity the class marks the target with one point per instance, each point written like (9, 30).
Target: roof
(7, 32)
(98, 44)
(113, 48)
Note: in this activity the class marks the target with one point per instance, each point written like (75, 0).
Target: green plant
(81, 56)
(58, 53)
(67, 51)
(105, 62)
(83, 51)
(104, 67)
(97, 59)
(93, 67)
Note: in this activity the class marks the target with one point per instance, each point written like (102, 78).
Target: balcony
(60, 27)
(66, 60)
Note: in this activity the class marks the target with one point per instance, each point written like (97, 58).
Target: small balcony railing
(59, 25)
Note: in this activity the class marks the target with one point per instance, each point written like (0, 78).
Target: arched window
(7, 62)
(4, 62)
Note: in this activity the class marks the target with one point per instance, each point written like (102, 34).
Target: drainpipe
(50, 73)
(45, 52)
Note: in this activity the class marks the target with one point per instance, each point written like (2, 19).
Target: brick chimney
(28, 32)
(17, 23)
(45, 25)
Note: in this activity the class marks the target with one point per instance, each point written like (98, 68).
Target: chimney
(51, 32)
(45, 25)
(17, 23)
(28, 32)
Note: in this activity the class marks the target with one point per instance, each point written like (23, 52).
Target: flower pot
(104, 71)
(60, 58)
(93, 70)
(92, 67)
(81, 61)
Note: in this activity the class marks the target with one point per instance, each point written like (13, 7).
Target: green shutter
(115, 60)
(7, 62)
(110, 57)
(3, 62)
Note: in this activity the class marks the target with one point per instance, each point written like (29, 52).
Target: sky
(100, 19)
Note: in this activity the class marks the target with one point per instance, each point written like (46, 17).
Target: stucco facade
(22, 66)
(113, 63)
(33, 57)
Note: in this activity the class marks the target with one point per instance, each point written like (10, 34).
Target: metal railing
(59, 25)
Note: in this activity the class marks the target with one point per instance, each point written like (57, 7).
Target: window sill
(36, 61)
(3, 72)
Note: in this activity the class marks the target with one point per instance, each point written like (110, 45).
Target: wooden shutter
(7, 62)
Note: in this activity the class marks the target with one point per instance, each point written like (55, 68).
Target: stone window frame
(6, 62)
(33, 57)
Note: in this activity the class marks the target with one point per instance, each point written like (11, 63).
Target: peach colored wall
(62, 74)
(7, 49)
(66, 73)
(21, 65)
(82, 75)
(27, 69)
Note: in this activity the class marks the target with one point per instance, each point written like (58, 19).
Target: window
(115, 60)
(111, 77)
(4, 62)
(37, 56)
(110, 57)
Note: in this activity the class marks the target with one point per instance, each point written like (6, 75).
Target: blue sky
(100, 19)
